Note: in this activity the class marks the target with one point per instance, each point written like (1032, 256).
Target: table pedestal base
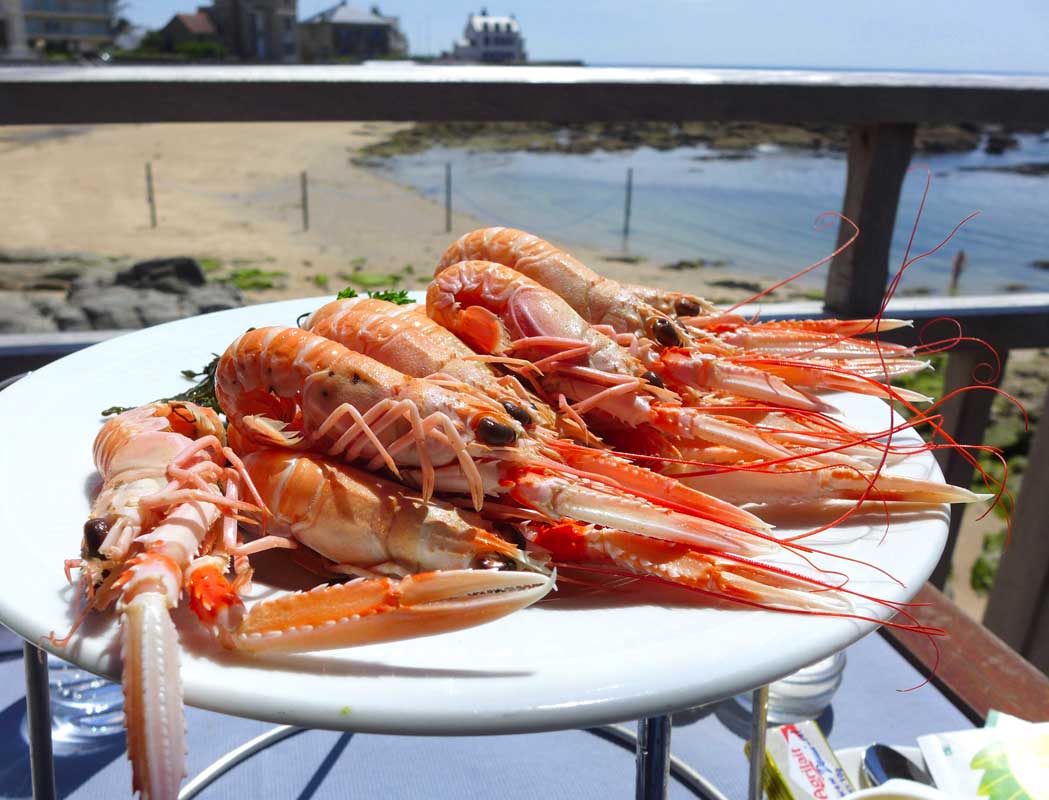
(655, 763)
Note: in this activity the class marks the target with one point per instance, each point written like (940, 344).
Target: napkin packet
(800, 765)
(1007, 758)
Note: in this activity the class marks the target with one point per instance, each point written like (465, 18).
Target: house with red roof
(195, 28)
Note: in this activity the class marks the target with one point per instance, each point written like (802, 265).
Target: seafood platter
(528, 498)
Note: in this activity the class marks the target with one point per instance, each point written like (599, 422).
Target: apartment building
(77, 26)
(257, 30)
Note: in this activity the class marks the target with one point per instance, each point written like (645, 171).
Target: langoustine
(162, 525)
(499, 311)
(820, 355)
(146, 541)
(285, 387)
(581, 526)
(405, 338)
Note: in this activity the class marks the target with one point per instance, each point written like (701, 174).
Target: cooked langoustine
(814, 356)
(404, 338)
(501, 312)
(161, 525)
(421, 567)
(286, 387)
(147, 535)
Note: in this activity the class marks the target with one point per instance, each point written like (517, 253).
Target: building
(488, 39)
(76, 26)
(257, 30)
(346, 32)
(13, 41)
(186, 29)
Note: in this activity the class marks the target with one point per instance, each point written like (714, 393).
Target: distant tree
(201, 51)
(152, 42)
(119, 25)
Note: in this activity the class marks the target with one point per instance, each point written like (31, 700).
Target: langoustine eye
(665, 332)
(495, 433)
(518, 413)
(95, 531)
(687, 308)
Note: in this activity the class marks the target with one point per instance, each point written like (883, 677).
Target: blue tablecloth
(868, 707)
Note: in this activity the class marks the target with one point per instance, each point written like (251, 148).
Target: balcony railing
(882, 109)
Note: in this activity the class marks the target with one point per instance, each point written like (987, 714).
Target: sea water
(756, 213)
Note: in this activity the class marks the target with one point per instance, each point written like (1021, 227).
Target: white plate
(552, 666)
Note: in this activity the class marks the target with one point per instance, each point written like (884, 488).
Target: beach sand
(231, 192)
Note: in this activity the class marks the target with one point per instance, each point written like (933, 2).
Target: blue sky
(1006, 35)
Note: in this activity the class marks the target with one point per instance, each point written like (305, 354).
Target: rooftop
(345, 14)
(482, 22)
(199, 23)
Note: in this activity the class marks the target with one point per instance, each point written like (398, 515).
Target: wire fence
(634, 216)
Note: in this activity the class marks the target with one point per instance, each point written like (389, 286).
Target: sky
(970, 35)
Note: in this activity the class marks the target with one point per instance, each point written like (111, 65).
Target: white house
(490, 39)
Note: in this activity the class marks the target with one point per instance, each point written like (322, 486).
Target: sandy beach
(231, 193)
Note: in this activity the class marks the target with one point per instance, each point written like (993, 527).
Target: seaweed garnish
(202, 393)
(396, 296)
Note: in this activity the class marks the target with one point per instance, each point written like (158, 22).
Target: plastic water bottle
(87, 712)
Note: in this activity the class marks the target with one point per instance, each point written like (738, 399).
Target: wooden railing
(881, 108)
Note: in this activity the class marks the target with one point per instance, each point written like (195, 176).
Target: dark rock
(155, 307)
(67, 274)
(747, 286)
(172, 275)
(19, 315)
(112, 306)
(1041, 263)
(998, 143)
(46, 285)
(1034, 169)
(67, 317)
(212, 297)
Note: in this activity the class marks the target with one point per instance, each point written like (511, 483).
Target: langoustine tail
(156, 735)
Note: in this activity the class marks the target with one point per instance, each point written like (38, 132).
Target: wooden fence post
(1018, 610)
(878, 159)
(626, 208)
(448, 197)
(150, 197)
(965, 418)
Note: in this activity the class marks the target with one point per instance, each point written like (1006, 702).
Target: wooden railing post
(965, 419)
(878, 159)
(1018, 610)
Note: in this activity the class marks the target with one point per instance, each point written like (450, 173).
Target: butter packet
(799, 765)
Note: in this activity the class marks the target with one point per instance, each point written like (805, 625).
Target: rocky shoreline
(43, 292)
(729, 139)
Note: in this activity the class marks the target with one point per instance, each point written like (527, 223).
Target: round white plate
(567, 662)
